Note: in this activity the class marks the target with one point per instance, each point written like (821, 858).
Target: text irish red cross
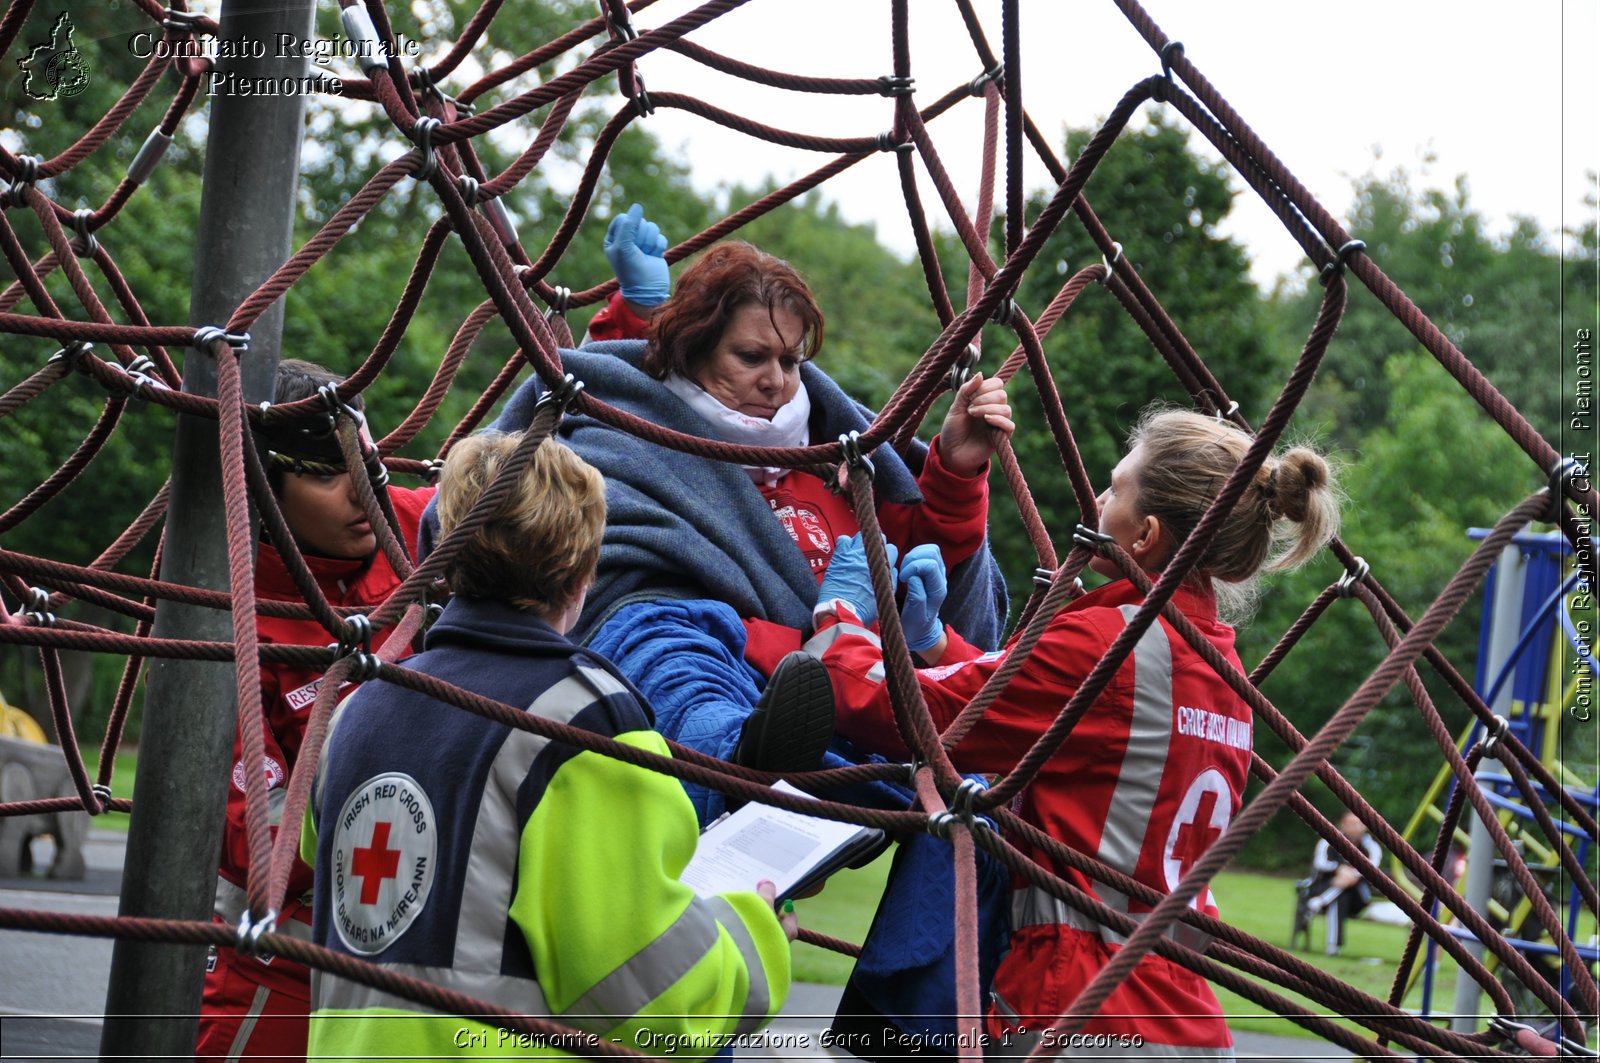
(375, 863)
(1197, 835)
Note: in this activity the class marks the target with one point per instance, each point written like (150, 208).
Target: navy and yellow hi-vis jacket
(524, 872)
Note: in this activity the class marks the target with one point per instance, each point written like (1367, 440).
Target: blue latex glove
(635, 249)
(849, 580)
(922, 573)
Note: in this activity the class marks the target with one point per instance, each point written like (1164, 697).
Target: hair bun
(1297, 475)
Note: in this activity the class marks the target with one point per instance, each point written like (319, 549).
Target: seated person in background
(531, 874)
(709, 570)
(258, 1006)
(1337, 890)
(1154, 771)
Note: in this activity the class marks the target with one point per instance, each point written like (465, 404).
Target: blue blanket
(682, 526)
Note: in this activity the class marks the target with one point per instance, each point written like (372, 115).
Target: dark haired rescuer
(530, 873)
(257, 1007)
(1152, 773)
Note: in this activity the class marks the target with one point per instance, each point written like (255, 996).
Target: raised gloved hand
(635, 249)
(849, 580)
(922, 573)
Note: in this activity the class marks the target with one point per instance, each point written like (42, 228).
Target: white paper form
(762, 842)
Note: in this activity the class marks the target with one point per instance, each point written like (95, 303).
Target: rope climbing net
(442, 130)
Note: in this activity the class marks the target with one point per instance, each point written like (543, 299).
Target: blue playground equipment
(1536, 670)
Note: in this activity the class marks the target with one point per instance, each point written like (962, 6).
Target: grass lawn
(1259, 904)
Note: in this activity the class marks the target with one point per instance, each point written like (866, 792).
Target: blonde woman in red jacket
(1156, 769)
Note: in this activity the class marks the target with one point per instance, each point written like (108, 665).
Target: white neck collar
(789, 427)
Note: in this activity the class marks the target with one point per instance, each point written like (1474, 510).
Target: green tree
(1164, 204)
(1497, 298)
(1423, 462)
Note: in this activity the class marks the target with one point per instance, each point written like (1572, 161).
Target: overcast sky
(1505, 94)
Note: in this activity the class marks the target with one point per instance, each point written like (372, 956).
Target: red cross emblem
(1195, 836)
(375, 863)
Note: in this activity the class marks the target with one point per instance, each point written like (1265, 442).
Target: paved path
(53, 988)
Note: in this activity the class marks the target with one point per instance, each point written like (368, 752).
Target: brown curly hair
(727, 278)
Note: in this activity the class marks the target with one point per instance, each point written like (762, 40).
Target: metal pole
(246, 221)
(1510, 577)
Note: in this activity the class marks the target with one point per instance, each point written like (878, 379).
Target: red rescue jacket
(1147, 780)
(287, 694)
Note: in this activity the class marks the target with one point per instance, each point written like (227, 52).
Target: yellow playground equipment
(1536, 670)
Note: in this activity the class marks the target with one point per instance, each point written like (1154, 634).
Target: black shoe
(792, 724)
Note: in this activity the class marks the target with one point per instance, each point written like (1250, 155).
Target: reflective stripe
(492, 860)
(758, 999)
(241, 1041)
(329, 992)
(604, 683)
(1032, 906)
(232, 901)
(277, 797)
(820, 642)
(648, 973)
(1149, 735)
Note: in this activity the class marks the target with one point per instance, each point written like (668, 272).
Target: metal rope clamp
(182, 21)
(961, 804)
(975, 87)
(336, 406)
(1340, 257)
(72, 354)
(431, 611)
(422, 133)
(38, 608)
(84, 245)
(1084, 535)
(1169, 52)
(560, 302)
(356, 635)
(1346, 587)
(642, 103)
(621, 29)
(886, 142)
(562, 395)
(206, 335)
(1225, 415)
(1497, 733)
(422, 80)
(1110, 264)
(102, 792)
(356, 641)
(468, 187)
(1562, 473)
(431, 468)
(1005, 312)
(853, 456)
(248, 937)
(140, 378)
(28, 173)
(895, 85)
(962, 370)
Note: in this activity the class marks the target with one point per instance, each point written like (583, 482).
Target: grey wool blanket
(679, 526)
